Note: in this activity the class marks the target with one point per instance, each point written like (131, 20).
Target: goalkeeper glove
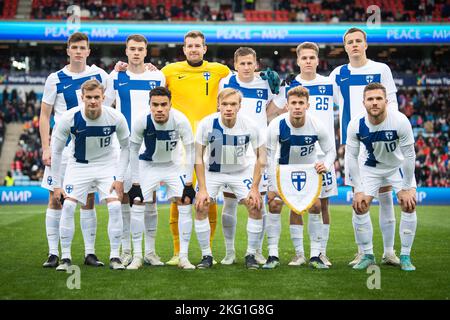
(135, 192)
(189, 192)
(288, 80)
(273, 79)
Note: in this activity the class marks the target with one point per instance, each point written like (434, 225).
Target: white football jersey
(381, 142)
(227, 147)
(161, 140)
(62, 88)
(91, 139)
(321, 100)
(256, 96)
(292, 145)
(132, 92)
(349, 83)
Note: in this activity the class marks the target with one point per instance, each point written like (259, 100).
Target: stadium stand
(282, 11)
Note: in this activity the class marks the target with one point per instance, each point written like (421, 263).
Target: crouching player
(291, 140)
(388, 141)
(91, 127)
(161, 131)
(226, 136)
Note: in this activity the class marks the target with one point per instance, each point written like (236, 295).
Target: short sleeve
(223, 70)
(49, 96)
(137, 131)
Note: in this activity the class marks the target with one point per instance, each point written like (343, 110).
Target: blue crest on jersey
(389, 135)
(369, 78)
(69, 188)
(49, 180)
(107, 131)
(322, 89)
(152, 84)
(298, 179)
(259, 93)
(206, 75)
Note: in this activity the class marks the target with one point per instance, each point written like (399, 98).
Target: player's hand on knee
(59, 195)
(407, 199)
(118, 187)
(320, 167)
(360, 204)
(135, 192)
(201, 200)
(121, 66)
(254, 199)
(150, 67)
(188, 194)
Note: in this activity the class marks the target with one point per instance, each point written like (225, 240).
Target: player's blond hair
(298, 92)
(307, 45)
(244, 51)
(374, 86)
(77, 37)
(137, 38)
(353, 30)
(92, 85)
(194, 34)
(224, 93)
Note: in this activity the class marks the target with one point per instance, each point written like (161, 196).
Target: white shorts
(329, 184)
(81, 178)
(151, 175)
(263, 184)
(348, 179)
(372, 182)
(47, 180)
(238, 183)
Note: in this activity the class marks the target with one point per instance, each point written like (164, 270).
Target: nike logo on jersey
(181, 77)
(343, 79)
(68, 86)
(79, 131)
(122, 83)
(284, 140)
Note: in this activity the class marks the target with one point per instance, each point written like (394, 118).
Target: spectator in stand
(9, 180)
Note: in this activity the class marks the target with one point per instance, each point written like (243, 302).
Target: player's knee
(316, 207)
(408, 210)
(295, 218)
(89, 202)
(385, 189)
(275, 206)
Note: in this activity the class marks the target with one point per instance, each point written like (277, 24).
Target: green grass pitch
(23, 248)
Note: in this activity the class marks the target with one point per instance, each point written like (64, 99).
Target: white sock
(52, 218)
(387, 221)
(229, 220)
(67, 228)
(273, 229)
(360, 249)
(254, 229)
(88, 222)
(325, 236)
(203, 231)
(315, 234)
(151, 224)
(408, 226)
(296, 231)
(264, 219)
(364, 231)
(137, 228)
(115, 227)
(126, 242)
(184, 228)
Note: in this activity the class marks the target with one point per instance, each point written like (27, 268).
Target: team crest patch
(241, 140)
(107, 131)
(369, 79)
(298, 179)
(308, 140)
(152, 84)
(259, 93)
(389, 135)
(49, 180)
(322, 89)
(173, 135)
(69, 188)
(206, 75)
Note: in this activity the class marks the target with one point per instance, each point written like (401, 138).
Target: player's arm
(110, 94)
(44, 131)
(271, 146)
(59, 137)
(254, 196)
(273, 110)
(136, 138)
(328, 147)
(123, 135)
(391, 89)
(202, 197)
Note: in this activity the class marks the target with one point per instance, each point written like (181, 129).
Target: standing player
(292, 139)
(350, 80)
(321, 106)
(389, 160)
(225, 137)
(91, 128)
(256, 103)
(162, 130)
(61, 93)
(132, 88)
